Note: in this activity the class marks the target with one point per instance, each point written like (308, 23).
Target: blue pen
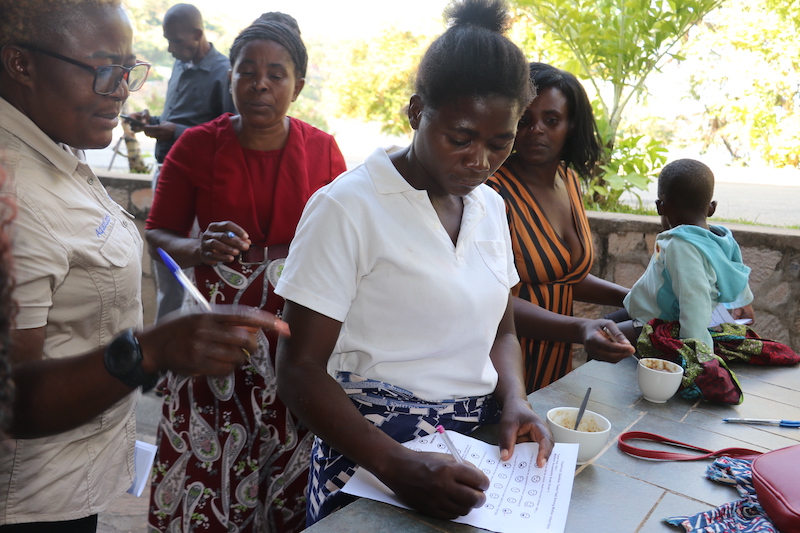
(765, 422)
(185, 281)
(188, 285)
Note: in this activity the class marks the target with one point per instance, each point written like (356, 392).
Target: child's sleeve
(745, 298)
(693, 282)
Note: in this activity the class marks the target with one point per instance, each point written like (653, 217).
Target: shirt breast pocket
(122, 260)
(493, 254)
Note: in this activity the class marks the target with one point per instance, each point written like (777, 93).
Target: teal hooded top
(692, 270)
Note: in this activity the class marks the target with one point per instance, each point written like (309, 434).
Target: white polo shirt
(417, 311)
(77, 258)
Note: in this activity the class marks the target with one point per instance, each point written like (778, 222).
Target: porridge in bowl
(592, 434)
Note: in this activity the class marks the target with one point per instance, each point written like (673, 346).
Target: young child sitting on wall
(694, 268)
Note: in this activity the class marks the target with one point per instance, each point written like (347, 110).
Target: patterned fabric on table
(743, 516)
(228, 455)
(706, 373)
(402, 416)
(548, 269)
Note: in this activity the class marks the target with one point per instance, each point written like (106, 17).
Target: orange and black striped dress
(547, 268)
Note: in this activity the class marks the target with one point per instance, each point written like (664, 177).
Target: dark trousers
(82, 525)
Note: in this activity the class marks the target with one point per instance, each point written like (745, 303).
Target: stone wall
(623, 245)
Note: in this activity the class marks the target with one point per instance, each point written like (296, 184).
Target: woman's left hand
(222, 241)
(519, 423)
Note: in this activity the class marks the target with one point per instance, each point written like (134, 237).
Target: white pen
(449, 444)
(765, 421)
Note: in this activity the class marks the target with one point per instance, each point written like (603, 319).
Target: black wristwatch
(123, 360)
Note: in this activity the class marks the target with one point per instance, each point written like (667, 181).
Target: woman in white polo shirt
(397, 287)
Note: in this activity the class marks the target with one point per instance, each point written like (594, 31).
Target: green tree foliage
(788, 10)
(311, 106)
(746, 74)
(148, 36)
(616, 45)
(149, 43)
(617, 42)
(374, 79)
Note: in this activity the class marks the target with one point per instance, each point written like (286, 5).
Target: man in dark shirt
(198, 88)
(198, 91)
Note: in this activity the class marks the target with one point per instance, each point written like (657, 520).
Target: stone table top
(616, 492)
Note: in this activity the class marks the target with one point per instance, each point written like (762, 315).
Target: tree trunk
(135, 162)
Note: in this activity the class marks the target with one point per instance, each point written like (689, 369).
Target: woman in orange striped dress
(556, 142)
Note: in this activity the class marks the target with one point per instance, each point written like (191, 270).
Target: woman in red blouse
(230, 453)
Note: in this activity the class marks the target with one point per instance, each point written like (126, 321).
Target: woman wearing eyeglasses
(78, 358)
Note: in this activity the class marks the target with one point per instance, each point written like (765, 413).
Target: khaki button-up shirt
(77, 258)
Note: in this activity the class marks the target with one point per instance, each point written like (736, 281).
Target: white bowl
(658, 379)
(592, 434)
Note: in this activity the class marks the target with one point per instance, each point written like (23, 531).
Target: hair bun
(489, 14)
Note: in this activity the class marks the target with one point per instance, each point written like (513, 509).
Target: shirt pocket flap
(119, 245)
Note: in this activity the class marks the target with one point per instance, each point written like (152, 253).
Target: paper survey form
(521, 497)
(721, 315)
(143, 455)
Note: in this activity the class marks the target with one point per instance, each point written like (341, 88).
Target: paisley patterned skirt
(231, 458)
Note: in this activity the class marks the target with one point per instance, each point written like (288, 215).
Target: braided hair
(280, 28)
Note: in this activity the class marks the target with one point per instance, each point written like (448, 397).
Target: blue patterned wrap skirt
(402, 416)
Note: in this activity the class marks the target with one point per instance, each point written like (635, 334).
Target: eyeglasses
(107, 77)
